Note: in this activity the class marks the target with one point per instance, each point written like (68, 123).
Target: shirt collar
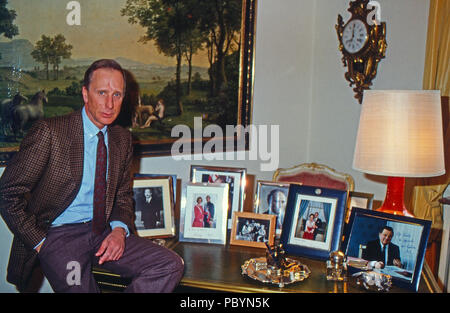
(90, 130)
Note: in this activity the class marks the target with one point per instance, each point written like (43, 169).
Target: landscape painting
(184, 59)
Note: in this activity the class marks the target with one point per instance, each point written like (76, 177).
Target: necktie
(99, 219)
(383, 251)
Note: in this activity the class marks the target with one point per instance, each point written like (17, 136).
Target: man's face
(104, 98)
(386, 236)
(278, 202)
(147, 193)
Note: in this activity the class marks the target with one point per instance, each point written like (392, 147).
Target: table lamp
(400, 135)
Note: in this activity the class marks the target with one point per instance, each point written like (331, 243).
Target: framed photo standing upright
(404, 238)
(313, 222)
(154, 206)
(204, 210)
(233, 177)
(253, 229)
(356, 199)
(271, 198)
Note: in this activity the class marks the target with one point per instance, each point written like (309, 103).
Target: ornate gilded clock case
(362, 41)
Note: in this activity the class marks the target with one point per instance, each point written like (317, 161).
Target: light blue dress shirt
(81, 209)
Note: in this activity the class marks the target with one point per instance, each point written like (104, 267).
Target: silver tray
(258, 269)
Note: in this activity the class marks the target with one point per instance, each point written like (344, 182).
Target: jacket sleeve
(21, 175)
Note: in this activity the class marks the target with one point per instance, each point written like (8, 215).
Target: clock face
(354, 36)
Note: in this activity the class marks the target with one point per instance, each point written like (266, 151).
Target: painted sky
(103, 32)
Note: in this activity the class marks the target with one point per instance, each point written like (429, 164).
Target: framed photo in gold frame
(253, 229)
(173, 73)
(154, 206)
(356, 199)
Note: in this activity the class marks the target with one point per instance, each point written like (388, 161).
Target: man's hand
(112, 246)
(397, 263)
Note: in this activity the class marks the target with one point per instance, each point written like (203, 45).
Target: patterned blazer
(43, 178)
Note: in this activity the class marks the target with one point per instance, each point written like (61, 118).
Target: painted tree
(59, 50)
(51, 51)
(221, 19)
(42, 52)
(171, 26)
(7, 17)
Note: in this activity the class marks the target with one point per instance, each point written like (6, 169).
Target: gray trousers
(68, 254)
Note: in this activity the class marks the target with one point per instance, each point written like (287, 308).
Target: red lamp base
(394, 201)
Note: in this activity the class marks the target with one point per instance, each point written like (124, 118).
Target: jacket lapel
(113, 171)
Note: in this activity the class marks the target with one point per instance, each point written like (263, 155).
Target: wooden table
(218, 268)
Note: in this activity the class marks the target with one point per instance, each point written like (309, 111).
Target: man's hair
(102, 63)
(388, 228)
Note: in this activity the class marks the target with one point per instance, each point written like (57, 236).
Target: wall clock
(362, 41)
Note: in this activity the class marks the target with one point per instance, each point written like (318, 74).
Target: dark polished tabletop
(215, 267)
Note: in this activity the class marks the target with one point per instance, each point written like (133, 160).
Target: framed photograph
(174, 183)
(204, 211)
(271, 198)
(403, 239)
(313, 222)
(154, 206)
(173, 73)
(356, 199)
(253, 229)
(234, 177)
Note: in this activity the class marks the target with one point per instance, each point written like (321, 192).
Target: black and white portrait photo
(253, 230)
(149, 208)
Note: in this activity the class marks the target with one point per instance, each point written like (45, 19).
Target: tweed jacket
(44, 177)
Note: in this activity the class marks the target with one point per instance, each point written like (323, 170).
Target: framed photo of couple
(154, 206)
(234, 177)
(204, 211)
(313, 221)
(404, 238)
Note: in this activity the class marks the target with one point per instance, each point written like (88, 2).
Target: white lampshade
(400, 134)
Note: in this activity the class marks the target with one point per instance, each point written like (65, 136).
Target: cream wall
(334, 111)
(300, 85)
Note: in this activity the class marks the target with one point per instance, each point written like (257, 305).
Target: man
(318, 223)
(276, 200)
(152, 210)
(209, 207)
(47, 197)
(382, 251)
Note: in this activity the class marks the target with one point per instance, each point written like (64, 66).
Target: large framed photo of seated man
(203, 213)
(154, 206)
(313, 222)
(253, 229)
(386, 243)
